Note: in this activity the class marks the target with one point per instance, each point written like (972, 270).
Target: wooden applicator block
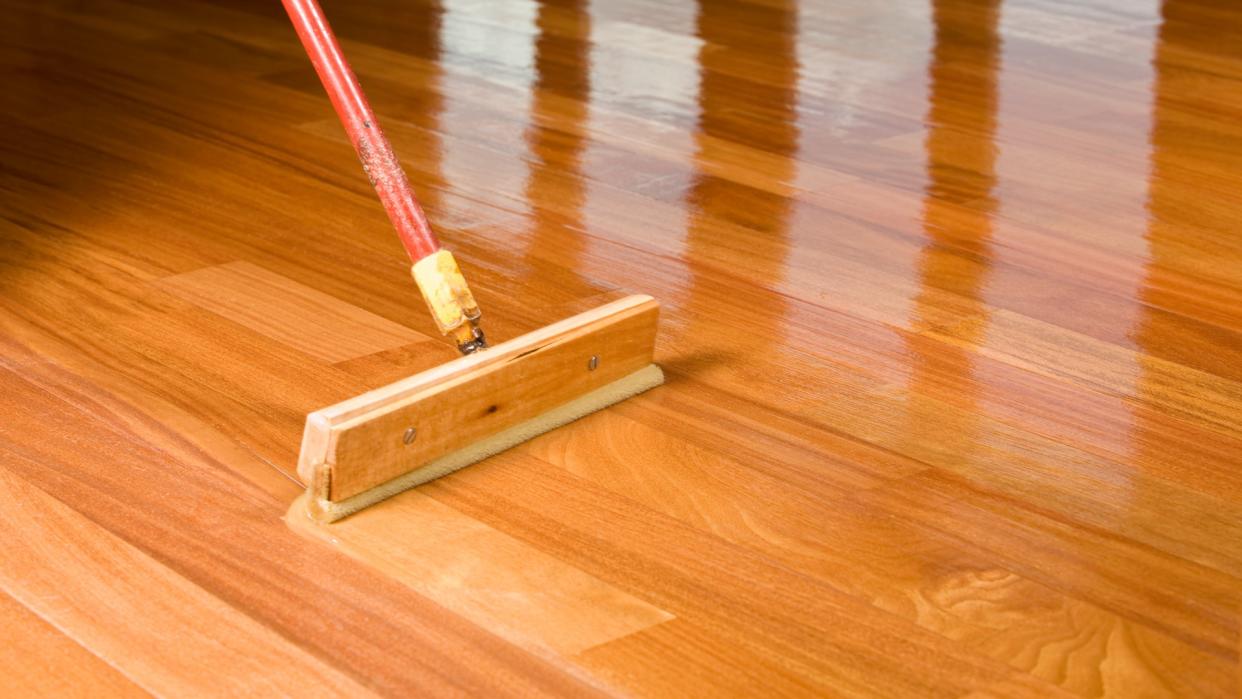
(375, 445)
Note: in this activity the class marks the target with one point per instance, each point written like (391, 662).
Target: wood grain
(284, 310)
(517, 591)
(159, 628)
(950, 315)
(40, 660)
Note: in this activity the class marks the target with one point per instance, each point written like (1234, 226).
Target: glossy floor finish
(952, 328)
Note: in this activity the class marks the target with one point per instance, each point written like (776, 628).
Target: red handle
(373, 148)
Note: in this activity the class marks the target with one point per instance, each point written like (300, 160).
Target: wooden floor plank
(518, 591)
(40, 660)
(95, 586)
(951, 320)
(799, 614)
(310, 321)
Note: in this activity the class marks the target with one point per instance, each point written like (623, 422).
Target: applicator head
(371, 447)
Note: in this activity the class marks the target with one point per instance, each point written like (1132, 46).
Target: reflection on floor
(952, 328)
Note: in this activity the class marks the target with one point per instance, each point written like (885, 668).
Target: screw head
(409, 435)
(593, 362)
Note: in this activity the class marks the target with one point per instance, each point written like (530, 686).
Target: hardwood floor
(952, 331)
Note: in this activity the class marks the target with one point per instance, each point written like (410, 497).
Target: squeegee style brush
(371, 447)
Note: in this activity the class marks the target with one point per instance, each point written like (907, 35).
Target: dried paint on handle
(445, 291)
(373, 148)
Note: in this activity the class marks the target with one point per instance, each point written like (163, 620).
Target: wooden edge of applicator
(373, 446)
